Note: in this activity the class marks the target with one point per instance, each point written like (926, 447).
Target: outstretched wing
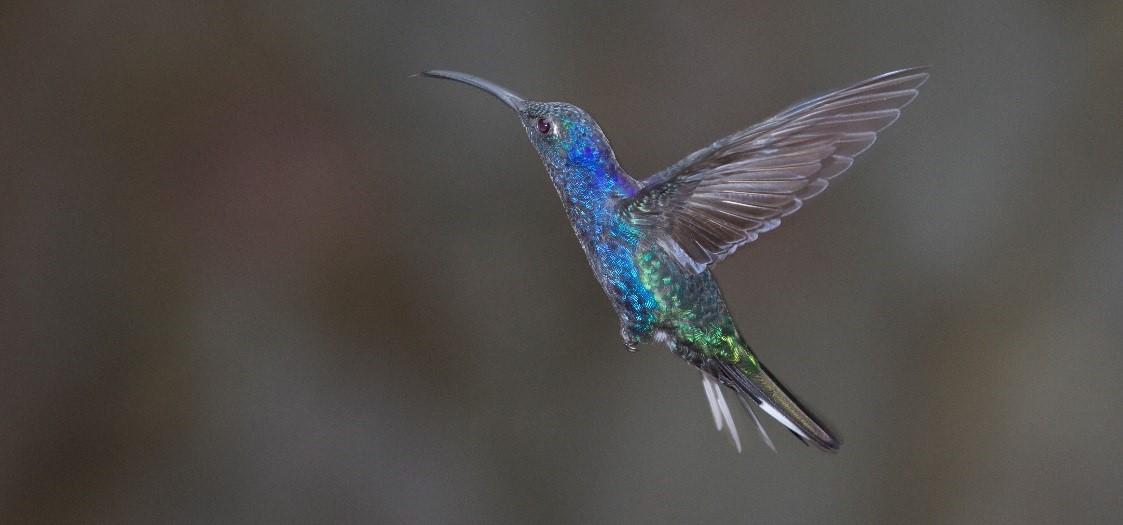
(706, 205)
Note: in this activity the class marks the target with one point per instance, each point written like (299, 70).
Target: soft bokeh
(251, 270)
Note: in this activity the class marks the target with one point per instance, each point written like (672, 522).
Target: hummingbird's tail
(755, 382)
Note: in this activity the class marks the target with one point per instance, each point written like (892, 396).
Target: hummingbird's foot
(630, 339)
(637, 334)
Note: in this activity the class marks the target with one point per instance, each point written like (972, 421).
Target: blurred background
(252, 270)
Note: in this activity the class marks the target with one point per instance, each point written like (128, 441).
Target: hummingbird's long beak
(516, 102)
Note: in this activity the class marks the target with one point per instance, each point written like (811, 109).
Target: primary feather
(705, 206)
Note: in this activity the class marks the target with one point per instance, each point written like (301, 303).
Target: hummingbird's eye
(544, 126)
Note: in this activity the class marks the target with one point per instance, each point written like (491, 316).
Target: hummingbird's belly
(651, 292)
(627, 286)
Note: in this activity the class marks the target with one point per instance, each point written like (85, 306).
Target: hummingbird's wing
(716, 199)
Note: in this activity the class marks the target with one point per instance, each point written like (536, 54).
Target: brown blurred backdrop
(252, 270)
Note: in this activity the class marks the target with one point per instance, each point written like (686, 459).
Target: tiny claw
(630, 340)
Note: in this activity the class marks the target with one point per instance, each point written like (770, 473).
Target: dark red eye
(544, 125)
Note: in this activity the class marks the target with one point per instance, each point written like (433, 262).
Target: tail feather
(748, 408)
(720, 409)
(773, 398)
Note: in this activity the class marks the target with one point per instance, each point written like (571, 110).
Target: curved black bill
(516, 102)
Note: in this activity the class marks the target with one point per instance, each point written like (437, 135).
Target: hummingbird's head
(563, 134)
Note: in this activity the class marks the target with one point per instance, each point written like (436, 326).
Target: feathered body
(650, 243)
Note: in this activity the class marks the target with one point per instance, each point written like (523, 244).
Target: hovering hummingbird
(651, 243)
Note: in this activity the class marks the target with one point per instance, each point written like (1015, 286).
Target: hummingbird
(651, 242)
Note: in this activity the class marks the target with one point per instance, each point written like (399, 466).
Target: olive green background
(251, 270)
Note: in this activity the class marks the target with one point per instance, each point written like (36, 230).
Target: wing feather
(716, 199)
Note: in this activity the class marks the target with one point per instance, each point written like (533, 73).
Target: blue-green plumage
(651, 243)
